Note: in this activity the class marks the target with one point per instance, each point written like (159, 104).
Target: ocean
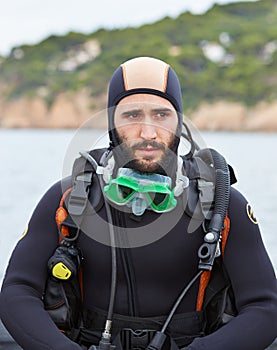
(32, 160)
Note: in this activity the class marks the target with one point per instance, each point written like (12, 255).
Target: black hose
(222, 191)
(106, 334)
(114, 262)
(159, 338)
(178, 301)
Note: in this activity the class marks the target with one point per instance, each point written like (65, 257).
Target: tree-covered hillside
(228, 53)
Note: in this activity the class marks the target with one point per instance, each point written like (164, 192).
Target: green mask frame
(141, 191)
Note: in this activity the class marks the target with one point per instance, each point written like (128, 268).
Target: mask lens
(157, 198)
(125, 191)
(161, 202)
(120, 190)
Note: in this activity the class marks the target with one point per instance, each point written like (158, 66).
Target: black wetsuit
(150, 277)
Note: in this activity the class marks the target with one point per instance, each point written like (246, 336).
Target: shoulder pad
(199, 197)
(201, 166)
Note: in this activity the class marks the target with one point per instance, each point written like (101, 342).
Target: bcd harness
(63, 295)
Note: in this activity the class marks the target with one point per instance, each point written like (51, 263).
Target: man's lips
(148, 151)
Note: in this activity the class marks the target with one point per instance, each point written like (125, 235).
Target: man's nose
(148, 131)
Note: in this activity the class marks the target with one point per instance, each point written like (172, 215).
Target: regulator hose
(222, 191)
(105, 343)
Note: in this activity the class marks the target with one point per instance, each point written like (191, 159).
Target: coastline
(71, 110)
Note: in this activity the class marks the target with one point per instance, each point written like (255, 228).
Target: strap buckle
(79, 194)
(136, 339)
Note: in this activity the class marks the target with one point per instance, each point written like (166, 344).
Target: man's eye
(161, 115)
(133, 115)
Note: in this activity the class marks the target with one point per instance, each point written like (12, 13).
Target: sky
(30, 21)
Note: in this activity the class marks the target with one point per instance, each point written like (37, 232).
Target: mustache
(145, 144)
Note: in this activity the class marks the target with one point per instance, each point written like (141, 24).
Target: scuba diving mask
(141, 191)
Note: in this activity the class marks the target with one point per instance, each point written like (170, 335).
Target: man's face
(146, 126)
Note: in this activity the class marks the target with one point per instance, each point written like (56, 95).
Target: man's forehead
(144, 101)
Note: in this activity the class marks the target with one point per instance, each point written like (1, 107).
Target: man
(139, 242)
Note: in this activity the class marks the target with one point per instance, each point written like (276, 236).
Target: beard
(165, 165)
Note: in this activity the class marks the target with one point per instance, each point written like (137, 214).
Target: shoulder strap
(75, 200)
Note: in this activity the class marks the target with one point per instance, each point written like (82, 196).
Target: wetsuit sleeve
(21, 305)
(254, 284)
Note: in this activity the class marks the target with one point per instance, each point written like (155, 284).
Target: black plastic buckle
(209, 250)
(136, 339)
(79, 194)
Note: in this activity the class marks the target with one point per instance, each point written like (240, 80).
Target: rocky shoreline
(236, 117)
(72, 110)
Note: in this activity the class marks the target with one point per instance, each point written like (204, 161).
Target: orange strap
(61, 215)
(225, 234)
(206, 275)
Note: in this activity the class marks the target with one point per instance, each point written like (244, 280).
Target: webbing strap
(225, 233)
(61, 215)
(206, 275)
(204, 280)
